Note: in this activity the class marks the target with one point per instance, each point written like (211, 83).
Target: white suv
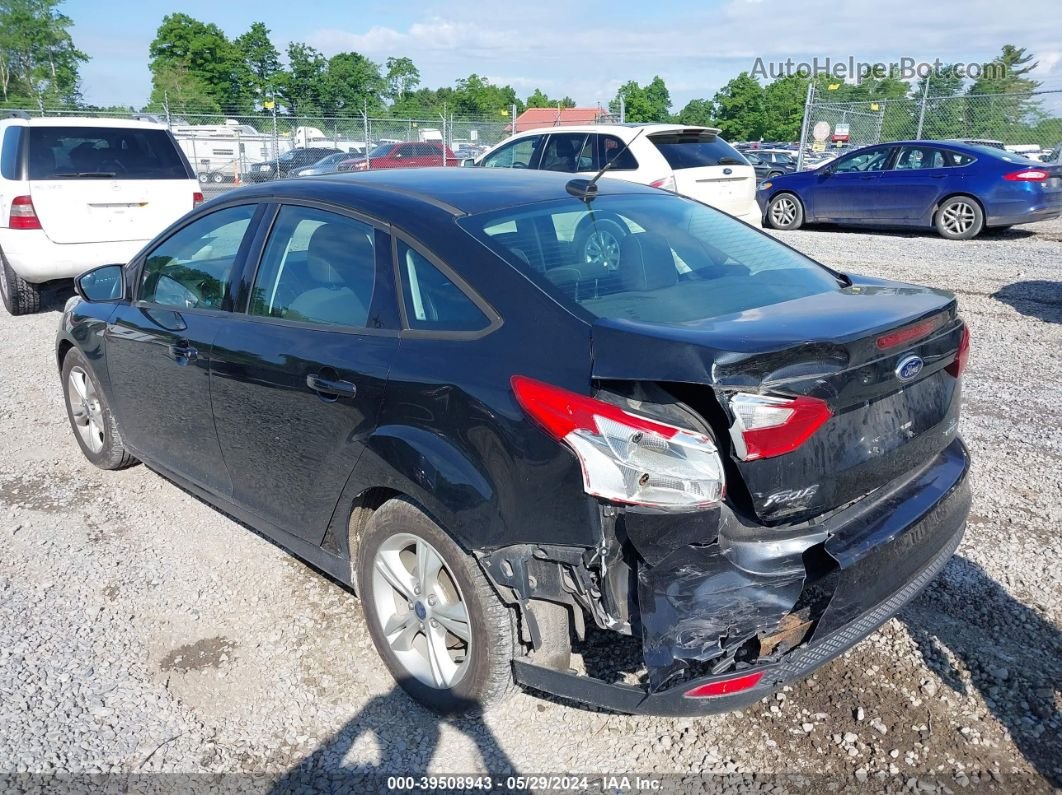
(76, 193)
(692, 161)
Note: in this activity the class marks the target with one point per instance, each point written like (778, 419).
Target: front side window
(318, 267)
(518, 154)
(676, 261)
(432, 300)
(191, 269)
(104, 153)
(874, 160)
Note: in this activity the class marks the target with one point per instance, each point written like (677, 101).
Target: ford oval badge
(728, 171)
(909, 367)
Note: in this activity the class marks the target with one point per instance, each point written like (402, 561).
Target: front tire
(90, 415)
(435, 620)
(19, 296)
(959, 218)
(785, 211)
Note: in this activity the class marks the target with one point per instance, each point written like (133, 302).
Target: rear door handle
(182, 349)
(331, 386)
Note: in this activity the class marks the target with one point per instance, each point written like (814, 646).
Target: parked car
(408, 154)
(326, 165)
(770, 163)
(957, 189)
(289, 162)
(692, 161)
(414, 381)
(76, 193)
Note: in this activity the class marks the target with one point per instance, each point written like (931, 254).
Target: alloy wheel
(85, 408)
(603, 250)
(422, 611)
(783, 211)
(959, 217)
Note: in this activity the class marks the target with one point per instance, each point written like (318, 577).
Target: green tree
(698, 113)
(177, 89)
(1000, 102)
(476, 96)
(203, 50)
(402, 78)
(944, 106)
(540, 100)
(643, 103)
(783, 106)
(299, 87)
(740, 109)
(38, 59)
(262, 61)
(351, 84)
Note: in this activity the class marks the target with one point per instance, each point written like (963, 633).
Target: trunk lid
(827, 346)
(708, 169)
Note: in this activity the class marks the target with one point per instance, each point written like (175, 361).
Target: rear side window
(611, 150)
(432, 301)
(191, 269)
(955, 159)
(111, 153)
(696, 150)
(10, 156)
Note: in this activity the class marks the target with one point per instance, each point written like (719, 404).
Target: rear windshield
(115, 153)
(684, 150)
(653, 258)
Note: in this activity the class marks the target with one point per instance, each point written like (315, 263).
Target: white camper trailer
(312, 136)
(222, 152)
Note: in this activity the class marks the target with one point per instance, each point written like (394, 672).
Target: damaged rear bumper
(882, 552)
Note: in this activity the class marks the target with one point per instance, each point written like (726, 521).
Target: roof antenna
(586, 189)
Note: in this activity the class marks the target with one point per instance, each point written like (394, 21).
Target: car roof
(460, 191)
(624, 131)
(85, 121)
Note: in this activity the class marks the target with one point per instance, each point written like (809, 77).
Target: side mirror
(469, 162)
(102, 284)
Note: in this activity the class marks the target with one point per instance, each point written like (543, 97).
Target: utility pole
(922, 110)
(808, 102)
(368, 148)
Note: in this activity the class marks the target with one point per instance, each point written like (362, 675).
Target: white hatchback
(692, 161)
(76, 193)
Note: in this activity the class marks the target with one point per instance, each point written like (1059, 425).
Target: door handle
(938, 176)
(331, 386)
(182, 349)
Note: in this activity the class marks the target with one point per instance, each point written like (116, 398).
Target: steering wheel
(519, 164)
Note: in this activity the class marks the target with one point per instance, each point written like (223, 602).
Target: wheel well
(62, 351)
(365, 505)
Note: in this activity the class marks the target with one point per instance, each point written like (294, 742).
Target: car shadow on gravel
(1035, 298)
(1014, 233)
(1012, 653)
(407, 736)
(54, 295)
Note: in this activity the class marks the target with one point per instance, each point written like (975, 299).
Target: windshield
(102, 152)
(654, 258)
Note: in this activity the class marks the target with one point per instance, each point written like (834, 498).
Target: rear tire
(598, 245)
(410, 573)
(785, 211)
(217, 178)
(20, 297)
(959, 218)
(89, 412)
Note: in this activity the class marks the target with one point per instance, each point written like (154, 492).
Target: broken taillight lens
(626, 457)
(726, 687)
(962, 356)
(766, 426)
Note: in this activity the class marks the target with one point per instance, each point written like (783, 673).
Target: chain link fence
(1029, 124)
(230, 149)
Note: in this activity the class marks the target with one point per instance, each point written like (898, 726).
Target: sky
(585, 50)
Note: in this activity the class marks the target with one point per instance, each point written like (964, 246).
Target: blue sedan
(958, 189)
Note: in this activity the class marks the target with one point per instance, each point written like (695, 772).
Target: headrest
(646, 262)
(335, 252)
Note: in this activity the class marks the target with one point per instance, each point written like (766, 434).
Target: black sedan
(289, 162)
(413, 381)
(770, 164)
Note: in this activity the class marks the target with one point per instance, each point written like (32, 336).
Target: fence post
(368, 146)
(922, 110)
(808, 102)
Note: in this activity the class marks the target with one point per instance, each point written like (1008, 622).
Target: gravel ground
(141, 631)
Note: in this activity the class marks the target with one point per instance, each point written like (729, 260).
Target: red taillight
(957, 367)
(1028, 175)
(666, 183)
(726, 687)
(904, 335)
(197, 199)
(627, 458)
(23, 216)
(766, 426)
